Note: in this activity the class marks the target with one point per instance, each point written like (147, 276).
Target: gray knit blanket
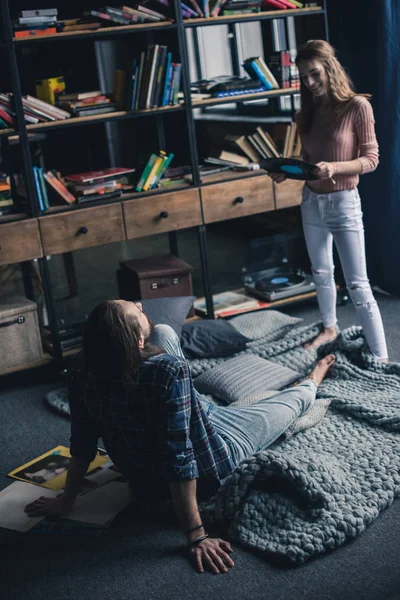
(315, 490)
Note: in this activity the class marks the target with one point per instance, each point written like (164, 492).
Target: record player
(270, 275)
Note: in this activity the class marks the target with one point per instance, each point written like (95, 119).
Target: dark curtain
(366, 34)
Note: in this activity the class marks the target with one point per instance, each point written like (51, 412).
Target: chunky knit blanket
(315, 490)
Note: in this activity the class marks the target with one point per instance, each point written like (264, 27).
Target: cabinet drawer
(19, 241)
(81, 229)
(288, 193)
(158, 214)
(237, 198)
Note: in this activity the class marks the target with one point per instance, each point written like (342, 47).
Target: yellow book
(147, 185)
(50, 469)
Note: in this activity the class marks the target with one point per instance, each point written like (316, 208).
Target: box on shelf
(155, 277)
(19, 332)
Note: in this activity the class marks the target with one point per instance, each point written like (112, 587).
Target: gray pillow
(169, 311)
(246, 378)
(269, 324)
(210, 339)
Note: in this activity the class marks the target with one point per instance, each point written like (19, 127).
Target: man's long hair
(111, 343)
(341, 88)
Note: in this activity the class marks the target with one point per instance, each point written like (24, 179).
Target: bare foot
(321, 368)
(327, 335)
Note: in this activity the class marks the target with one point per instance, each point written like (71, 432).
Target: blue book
(38, 188)
(255, 72)
(176, 83)
(262, 88)
(166, 80)
(43, 189)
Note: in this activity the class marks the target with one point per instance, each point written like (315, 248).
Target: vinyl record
(279, 281)
(293, 168)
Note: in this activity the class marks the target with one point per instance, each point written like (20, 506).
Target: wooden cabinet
(81, 229)
(237, 198)
(19, 241)
(162, 213)
(288, 193)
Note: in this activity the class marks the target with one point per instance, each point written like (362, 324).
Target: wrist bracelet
(198, 540)
(193, 529)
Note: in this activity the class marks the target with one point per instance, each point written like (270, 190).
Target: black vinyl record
(293, 168)
(279, 281)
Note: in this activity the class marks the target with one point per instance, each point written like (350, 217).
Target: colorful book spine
(255, 72)
(156, 165)
(59, 187)
(168, 75)
(146, 172)
(38, 188)
(163, 168)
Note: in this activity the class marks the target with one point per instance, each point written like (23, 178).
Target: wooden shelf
(13, 217)
(270, 14)
(97, 33)
(242, 97)
(229, 176)
(62, 208)
(114, 116)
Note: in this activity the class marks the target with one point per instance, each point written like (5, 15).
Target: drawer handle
(164, 214)
(238, 200)
(17, 321)
(82, 230)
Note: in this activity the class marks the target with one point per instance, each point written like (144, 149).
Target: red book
(34, 32)
(274, 3)
(287, 4)
(6, 117)
(101, 174)
(59, 187)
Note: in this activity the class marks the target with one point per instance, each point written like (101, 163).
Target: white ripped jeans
(338, 216)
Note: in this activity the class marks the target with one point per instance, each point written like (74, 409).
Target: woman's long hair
(111, 343)
(341, 88)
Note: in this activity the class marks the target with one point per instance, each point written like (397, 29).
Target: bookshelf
(189, 204)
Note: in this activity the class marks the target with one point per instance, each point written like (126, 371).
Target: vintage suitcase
(19, 332)
(155, 277)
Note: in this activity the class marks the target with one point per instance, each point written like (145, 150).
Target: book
(232, 157)
(100, 174)
(59, 187)
(146, 172)
(81, 95)
(244, 145)
(40, 12)
(152, 173)
(34, 32)
(229, 303)
(49, 470)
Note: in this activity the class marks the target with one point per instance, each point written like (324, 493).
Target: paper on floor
(101, 505)
(13, 500)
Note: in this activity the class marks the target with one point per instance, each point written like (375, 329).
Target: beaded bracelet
(193, 529)
(198, 540)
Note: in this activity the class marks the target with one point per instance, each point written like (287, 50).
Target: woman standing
(336, 127)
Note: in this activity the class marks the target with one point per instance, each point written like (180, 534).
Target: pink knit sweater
(352, 136)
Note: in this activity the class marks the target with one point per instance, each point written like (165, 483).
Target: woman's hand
(49, 507)
(277, 177)
(212, 553)
(325, 170)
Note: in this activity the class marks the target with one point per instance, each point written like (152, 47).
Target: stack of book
(35, 22)
(281, 4)
(125, 15)
(97, 185)
(284, 142)
(153, 80)
(6, 201)
(35, 111)
(258, 70)
(284, 70)
(237, 7)
(153, 171)
(86, 104)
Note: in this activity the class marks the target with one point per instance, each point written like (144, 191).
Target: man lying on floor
(132, 387)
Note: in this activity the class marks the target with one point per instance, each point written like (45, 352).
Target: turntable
(268, 274)
(277, 283)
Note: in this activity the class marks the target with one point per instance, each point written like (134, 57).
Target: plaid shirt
(155, 431)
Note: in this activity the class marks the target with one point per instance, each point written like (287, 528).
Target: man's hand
(277, 177)
(325, 170)
(49, 507)
(212, 553)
